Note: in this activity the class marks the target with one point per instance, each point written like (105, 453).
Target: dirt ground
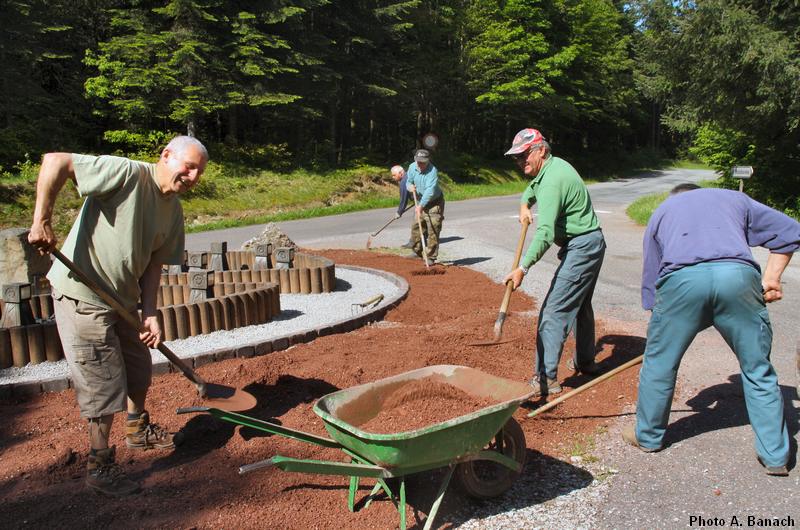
(43, 441)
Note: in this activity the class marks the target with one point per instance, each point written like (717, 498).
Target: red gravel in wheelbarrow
(423, 403)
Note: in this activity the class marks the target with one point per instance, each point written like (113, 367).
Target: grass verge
(233, 194)
(642, 208)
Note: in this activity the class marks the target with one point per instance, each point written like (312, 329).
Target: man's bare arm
(55, 170)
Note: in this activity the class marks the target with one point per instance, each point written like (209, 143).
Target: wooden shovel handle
(587, 386)
(421, 236)
(517, 257)
(127, 316)
(393, 219)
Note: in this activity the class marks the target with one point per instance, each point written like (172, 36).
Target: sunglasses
(519, 157)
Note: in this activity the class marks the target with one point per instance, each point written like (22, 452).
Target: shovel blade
(228, 398)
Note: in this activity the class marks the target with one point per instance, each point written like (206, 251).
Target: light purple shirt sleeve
(651, 265)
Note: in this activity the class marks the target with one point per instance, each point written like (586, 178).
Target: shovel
(501, 317)
(218, 396)
(393, 219)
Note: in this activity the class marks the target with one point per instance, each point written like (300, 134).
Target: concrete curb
(244, 351)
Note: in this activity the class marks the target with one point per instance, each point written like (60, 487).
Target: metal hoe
(223, 397)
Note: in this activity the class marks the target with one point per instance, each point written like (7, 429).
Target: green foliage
(722, 148)
(150, 142)
(727, 73)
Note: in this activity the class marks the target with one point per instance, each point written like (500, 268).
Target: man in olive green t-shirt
(131, 224)
(566, 218)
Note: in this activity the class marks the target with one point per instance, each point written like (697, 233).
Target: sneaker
(408, 245)
(775, 471)
(105, 476)
(552, 387)
(629, 435)
(141, 434)
(590, 369)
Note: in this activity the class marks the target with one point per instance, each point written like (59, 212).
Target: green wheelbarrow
(484, 450)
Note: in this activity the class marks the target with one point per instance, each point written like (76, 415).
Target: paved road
(709, 469)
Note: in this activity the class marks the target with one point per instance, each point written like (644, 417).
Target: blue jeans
(568, 302)
(728, 297)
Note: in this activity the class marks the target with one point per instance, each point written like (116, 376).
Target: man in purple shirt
(699, 272)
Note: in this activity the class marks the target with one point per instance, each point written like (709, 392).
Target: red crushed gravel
(43, 441)
(422, 403)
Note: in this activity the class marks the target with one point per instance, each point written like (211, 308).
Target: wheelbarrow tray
(433, 446)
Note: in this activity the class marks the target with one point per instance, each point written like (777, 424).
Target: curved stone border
(246, 350)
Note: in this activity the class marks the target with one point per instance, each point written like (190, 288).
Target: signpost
(741, 173)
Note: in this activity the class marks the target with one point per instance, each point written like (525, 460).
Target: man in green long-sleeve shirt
(566, 218)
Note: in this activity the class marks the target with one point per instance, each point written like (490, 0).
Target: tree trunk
(231, 135)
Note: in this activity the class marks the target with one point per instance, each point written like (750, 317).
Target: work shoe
(105, 476)
(540, 389)
(775, 471)
(141, 434)
(629, 435)
(590, 369)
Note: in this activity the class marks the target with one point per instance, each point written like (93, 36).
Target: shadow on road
(469, 261)
(722, 406)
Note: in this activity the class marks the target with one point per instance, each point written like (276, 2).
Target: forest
(283, 84)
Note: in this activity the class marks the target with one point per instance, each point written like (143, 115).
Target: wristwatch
(525, 270)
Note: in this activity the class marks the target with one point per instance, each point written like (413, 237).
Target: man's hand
(525, 213)
(771, 290)
(42, 237)
(150, 332)
(418, 211)
(412, 188)
(515, 276)
(771, 277)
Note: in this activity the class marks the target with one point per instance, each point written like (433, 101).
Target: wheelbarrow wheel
(483, 479)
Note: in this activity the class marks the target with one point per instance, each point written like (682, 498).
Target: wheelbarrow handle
(256, 465)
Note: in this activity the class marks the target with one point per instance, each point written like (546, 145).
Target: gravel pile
(551, 494)
(298, 312)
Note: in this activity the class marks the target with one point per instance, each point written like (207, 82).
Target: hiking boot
(775, 471)
(141, 434)
(540, 389)
(629, 435)
(105, 476)
(590, 369)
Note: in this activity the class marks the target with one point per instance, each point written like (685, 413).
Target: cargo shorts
(106, 358)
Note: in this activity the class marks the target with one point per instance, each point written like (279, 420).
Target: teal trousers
(728, 297)
(569, 303)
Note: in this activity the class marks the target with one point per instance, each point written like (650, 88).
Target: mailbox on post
(741, 173)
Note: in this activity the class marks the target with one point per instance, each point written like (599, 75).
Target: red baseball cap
(524, 140)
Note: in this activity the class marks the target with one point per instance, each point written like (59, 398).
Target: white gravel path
(298, 312)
